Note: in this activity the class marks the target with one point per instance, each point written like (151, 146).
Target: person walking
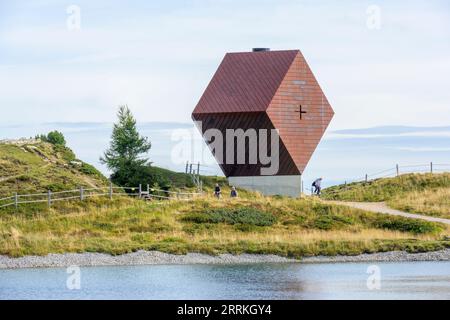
(317, 185)
(217, 191)
(233, 193)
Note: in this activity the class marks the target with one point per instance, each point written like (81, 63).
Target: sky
(378, 62)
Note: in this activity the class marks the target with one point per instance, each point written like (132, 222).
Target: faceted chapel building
(265, 89)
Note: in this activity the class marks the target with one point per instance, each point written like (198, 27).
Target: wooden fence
(396, 171)
(82, 194)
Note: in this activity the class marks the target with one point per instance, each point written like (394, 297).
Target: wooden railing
(82, 194)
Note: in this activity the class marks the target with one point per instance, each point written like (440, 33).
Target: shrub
(407, 225)
(55, 187)
(141, 175)
(330, 221)
(53, 137)
(89, 170)
(65, 153)
(241, 216)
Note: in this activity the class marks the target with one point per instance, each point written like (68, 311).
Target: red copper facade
(269, 89)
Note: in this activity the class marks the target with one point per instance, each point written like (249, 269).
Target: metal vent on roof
(260, 49)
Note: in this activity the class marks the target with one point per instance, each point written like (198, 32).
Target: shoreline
(141, 257)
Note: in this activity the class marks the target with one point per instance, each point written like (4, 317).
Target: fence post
(140, 190)
(366, 177)
(49, 198)
(81, 194)
(148, 188)
(190, 168)
(398, 171)
(431, 167)
(110, 190)
(16, 200)
(187, 166)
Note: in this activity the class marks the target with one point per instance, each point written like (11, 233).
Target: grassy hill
(30, 166)
(35, 166)
(251, 223)
(416, 193)
(180, 180)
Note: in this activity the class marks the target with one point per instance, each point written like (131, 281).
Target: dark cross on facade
(300, 111)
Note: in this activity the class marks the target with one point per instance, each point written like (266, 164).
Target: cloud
(159, 58)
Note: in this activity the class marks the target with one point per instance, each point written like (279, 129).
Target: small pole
(187, 166)
(81, 194)
(398, 171)
(303, 187)
(148, 188)
(431, 167)
(49, 198)
(366, 177)
(110, 190)
(198, 170)
(345, 185)
(16, 200)
(190, 168)
(140, 190)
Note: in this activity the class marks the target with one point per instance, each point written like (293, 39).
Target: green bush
(241, 216)
(407, 225)
(141, 175)
(330, 221)
(53, 137)
(65, 153)
(89, 170)
(56, 187)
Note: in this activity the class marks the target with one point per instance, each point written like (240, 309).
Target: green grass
(386, 188)
(433, 202)
(38, 167)
(180, 180)
(252, 223)
(283, 226)
(427, 194)
(43, 166)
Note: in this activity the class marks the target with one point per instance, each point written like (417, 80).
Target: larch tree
(127, 151)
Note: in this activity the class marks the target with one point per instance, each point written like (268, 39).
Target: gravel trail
(381, 207)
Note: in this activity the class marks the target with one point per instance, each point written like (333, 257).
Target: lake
(398, 280)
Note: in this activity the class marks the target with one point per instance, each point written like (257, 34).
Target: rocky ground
(392, 256)
(159, 258)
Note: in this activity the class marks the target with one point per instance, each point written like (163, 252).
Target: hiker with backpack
(317, 186)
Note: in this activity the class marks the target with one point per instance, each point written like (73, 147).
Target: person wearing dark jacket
(217, 191)
(317, 186)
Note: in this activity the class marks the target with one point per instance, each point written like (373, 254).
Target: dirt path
(381, 207)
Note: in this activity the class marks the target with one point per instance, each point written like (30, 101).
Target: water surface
(406, 280)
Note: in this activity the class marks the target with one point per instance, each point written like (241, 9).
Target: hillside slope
(264, 225)
(427, 194)
(181, 180)
(28, 166)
